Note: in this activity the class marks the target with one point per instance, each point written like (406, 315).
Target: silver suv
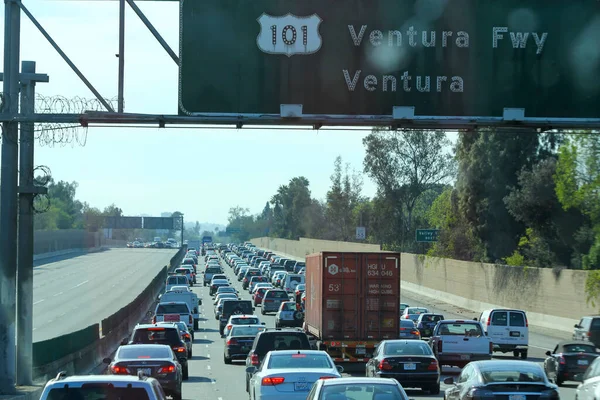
(102, 387)
(272, 300)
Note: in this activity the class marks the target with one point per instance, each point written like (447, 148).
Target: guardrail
(81, 351)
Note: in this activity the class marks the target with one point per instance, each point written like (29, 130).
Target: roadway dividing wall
(81, 351)
(553, 298)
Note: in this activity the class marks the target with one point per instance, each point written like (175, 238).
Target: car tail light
(415, 332)
(433, 366)
(154, 319)
(272, 381)
(187, 336)
(328, 377)
(489, 321)
(491, 347)
(166, 369)
(232, 341)
(180, 350)
(439, 346)
(119, 370)
(229, 327)
(561, 359)
(191, 320)
(384, 365)
(254, 359)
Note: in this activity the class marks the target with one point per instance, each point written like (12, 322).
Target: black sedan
(513, 380)
(569, 360)
(239, 342)
(155, 360)
(410, 362)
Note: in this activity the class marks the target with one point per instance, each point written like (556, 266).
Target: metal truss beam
(315, 121)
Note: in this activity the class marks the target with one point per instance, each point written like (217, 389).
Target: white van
(292, 281)
(508, 329)
(176, 280)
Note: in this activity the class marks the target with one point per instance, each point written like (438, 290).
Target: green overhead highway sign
(427, 235)
(365, 57)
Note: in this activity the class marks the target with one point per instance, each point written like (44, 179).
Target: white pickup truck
(174, 311)
(179, 293)
(458, 342)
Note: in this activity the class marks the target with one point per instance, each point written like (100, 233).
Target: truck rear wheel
(523, 354)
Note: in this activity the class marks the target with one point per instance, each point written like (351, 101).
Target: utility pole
(120, 100)
(181, 230)
(27, 191)
(8, 198)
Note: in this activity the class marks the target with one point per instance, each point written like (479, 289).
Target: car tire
(196, 325)
(516, 353)
(226, 360)
(176, 395)
(189, 354)
(558, 381)
(434, 389)
(186, 373)
(523, 354)
(262, 311)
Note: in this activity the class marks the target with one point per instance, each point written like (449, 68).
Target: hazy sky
(201, 172)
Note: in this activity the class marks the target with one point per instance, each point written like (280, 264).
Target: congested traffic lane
(72, 294)
(211, 379)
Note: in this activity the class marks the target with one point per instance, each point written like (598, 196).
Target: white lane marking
(538, 347)
(82, 283)
(208, 367)
(208, 356)
(34, 329)
(39, 301)
(62, 315)
(207, 346)
(219, 398)
(57, 294)
(213, 382)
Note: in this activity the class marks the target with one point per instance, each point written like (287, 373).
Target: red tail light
(433, 366)
(384, 365)
(491, 347)
(254, 359)
(166, 369)
(191, 319)
(272, 381)
(526, 322)
(415, 332)
(561, 359)
(589, 334)
(328, 377)
(154, 319)
(232, 341)
(489, 321)
(119, 370)
(440, 346)
(187, 336)
(180, 350)
(229, 326)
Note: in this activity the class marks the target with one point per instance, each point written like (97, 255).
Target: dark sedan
(514, 380)
(410, 362)
(569, 360)
(239, 342)
(155, 360)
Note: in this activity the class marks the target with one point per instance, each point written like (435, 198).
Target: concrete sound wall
(301, 248)
(553, 299)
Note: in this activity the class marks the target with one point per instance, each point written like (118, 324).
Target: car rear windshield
(175, 280)
(288, 306)
(188, 261)
(432, 318)
(172, 309)
(241, 330)
(225, 290)
(579, 348)
(156, 336)
(97, 393)
(252, 273)
(407, 323)
(245, 321)
(517, 319)
(213, 270)
(144, 352)
(282, 341)
(410, 347)
(244, 307)
(461, 329)
(182, 270)
(295, 278)
(277, 294)
(516, 375)
(361, 391)
(299, 361)
(413, 310)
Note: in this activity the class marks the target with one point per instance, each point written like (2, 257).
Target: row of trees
(520, 198)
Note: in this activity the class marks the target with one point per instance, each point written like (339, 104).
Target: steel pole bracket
(513, 114)
(32, 190)
(291, 110)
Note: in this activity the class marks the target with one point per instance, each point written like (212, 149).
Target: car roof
(575, 342)
(292, 352)
(146, 326)
(355, 380)
(503, 365)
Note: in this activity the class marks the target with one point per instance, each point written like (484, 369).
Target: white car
(225, 296)
(292, 372)
(358, 388)
(241, 320)
(261, 284)
(288, 315)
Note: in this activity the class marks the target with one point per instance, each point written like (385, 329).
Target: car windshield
(461, 329)
(144, 352)
(409, 347)
(97, 392)
(361, 391)
(246, 330)
(165, 308)
(298, 361)
(489, 375)
(578, 348)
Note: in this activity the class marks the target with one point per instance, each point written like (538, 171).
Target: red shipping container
(353, 296)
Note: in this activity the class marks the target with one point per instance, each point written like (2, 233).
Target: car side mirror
(576, 325)
(199, 302)
(250, 370)
(253, 308)
(124, 341)
(263, 323)
(548, 353)
(107, 360)
(449, 381)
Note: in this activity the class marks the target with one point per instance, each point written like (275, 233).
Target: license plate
(468, 357)
(361, 350)
(244, 348)
(301, 386)
(145, 371)
(582, 362)
(410, 367)
(172, 317)
(517, 397)
(515, 334)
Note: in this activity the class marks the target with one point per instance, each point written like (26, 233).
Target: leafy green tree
(343, 196)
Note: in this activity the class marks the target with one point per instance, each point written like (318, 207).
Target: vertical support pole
(182, 230)
(121, 54)
(8, 198)
(25, 252)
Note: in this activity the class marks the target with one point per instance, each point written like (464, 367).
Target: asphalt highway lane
(211, 379)
(72, 294)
